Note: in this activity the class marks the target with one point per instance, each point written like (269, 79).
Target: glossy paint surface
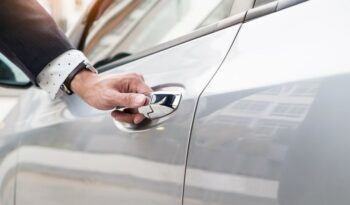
(72, 154)
(272, 126)
(7, 169)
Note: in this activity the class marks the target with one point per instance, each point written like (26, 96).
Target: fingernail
(140, 99)
(138, 119)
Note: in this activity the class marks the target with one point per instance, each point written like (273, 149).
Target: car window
(222, 11)
(132, 26)
(10, 74)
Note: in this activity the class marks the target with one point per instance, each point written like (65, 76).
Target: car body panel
(8, 161)
(272, 126)
(72, 154)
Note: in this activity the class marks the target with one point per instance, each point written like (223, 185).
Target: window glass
(10, 74)
(130, 26)
(221, 12)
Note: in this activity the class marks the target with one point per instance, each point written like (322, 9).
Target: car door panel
(272, 126)
(8, 158)
(72, 154)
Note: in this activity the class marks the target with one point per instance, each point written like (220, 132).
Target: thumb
(130, 100)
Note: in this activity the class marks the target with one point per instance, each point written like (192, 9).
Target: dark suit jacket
(29, 37)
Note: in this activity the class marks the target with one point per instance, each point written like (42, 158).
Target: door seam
(195, 111)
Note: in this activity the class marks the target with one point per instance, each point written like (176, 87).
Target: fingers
(108, 92)
(143, 88)
(136, 83)
(130, 100)
(127, 117)
(132, 91)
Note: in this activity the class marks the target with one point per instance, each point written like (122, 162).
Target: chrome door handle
(162, 103)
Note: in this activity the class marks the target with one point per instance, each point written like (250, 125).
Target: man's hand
(109, 92)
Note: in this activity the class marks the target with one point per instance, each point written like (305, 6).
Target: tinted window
(222, 11)
(133, 26)
(10, 74)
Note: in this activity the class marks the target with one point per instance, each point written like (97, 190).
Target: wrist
(82, 80)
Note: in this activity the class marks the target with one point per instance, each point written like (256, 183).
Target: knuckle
(125, 81)
(133, 75)
(136, 76)
(140, 75)
(135, 82)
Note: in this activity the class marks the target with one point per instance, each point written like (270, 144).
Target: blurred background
(65, 12)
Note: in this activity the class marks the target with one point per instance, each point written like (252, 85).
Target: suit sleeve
(29, 37)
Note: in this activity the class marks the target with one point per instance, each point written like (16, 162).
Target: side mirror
(11, 75)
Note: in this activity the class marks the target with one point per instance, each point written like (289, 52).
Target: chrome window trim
(283, 4)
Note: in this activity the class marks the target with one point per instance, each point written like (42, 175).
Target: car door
(12, 85)
(272, 126)
(70, 153)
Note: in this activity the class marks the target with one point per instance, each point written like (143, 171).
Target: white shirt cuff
(55, 73)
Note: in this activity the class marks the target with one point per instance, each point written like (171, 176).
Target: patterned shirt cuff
(55, 73)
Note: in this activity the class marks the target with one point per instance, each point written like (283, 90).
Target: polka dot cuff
(55, 73)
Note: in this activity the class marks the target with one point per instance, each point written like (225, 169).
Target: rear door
(72, 154)
(272, 127)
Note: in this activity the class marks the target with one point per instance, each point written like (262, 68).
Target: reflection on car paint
(239, 147)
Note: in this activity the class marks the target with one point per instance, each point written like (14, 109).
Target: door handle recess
(162, 103)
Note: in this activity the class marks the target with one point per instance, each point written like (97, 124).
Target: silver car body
(263, 120)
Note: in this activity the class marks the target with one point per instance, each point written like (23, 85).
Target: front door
(72, 154)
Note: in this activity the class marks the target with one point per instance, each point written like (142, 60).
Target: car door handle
(162, 103)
